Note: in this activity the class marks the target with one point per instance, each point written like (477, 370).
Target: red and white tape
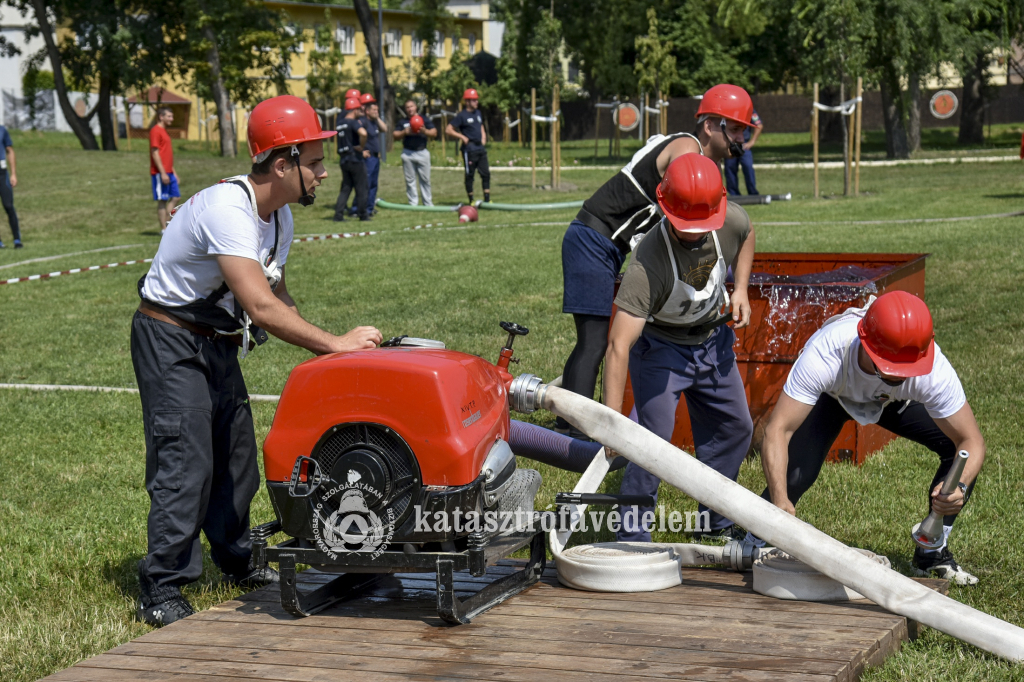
(341, 235)
(51, 275)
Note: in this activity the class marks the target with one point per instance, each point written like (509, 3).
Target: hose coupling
(526, 393)
(740, 555)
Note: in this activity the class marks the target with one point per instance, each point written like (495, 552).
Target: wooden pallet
(713, 627)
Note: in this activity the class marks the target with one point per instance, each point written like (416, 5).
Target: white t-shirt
(820, 369)
(217, 221)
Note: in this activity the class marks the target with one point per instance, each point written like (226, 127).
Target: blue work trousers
(732, 181)
(707, 374)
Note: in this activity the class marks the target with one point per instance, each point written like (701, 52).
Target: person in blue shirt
(374, 126)
(8, 181)
(351, 154)
(468, 126)
(732, 164)
(413, 131)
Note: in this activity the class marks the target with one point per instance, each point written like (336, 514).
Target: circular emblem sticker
(352, 526)
(943, 104)
(627, 117)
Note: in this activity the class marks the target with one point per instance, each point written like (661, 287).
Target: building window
(438, 44)
(416, 47)
(294, 31)
(472, 43)
(574, 72)
(393, 42)
(346, 37)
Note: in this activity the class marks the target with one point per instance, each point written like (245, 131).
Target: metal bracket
(314, 477)
(456, 612)
(328, 594)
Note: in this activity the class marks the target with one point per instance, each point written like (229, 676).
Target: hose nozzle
(929, 533)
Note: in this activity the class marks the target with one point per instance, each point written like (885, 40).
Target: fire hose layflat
(779, 575)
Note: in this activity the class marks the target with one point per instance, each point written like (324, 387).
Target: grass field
(71, 464)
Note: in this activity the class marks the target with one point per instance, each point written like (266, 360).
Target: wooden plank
(255, 658)
(348, 632)
(80, 673)
(276, 648)
(241, 670)
(580, 633)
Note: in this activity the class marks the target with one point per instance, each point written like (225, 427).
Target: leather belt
(156, 313)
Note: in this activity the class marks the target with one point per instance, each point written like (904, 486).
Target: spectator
(374, 126)
(732, 181)
(468, 126)
(413, 131)
(351, 152)
(161, 167)
(8, 181)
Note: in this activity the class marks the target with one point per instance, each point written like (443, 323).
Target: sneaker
(720, 535)
(17, 243)
(339, 219)
(165, 612)
(943, 565)
(255, 578)
(2, 245)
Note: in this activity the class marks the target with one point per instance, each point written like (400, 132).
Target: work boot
(943, 565)
(255, 578)
(165, 612)
(17, 243)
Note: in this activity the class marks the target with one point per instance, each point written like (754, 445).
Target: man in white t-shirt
(877, 365)
(218, 281)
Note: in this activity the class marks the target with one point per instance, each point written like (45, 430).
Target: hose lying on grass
(884, 586)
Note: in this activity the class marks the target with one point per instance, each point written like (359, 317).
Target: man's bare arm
(786, 418)
(741, 273)
(626, 329)
(159, 163)
(12, 166)
(282, 293)
(758, 129)
(962, 429)
(245, 278)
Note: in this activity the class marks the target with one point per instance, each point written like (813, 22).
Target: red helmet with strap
(367, 98)
(727, 101)
(352, 92)
(691, 194)
(352, 103)
(471, 93)
(280, 121)
(898, 336)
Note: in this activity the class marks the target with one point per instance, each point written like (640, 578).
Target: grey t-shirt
(649, 279)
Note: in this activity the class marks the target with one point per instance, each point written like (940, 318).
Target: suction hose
(887, 588)
(490, 205)
(549, 447)
(407, 207)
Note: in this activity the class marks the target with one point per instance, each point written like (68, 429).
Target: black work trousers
(353, 176)
(475, 159)
(201, 469)
(811, 442)
(7, 198)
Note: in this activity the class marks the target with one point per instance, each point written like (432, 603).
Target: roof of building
(159, 95)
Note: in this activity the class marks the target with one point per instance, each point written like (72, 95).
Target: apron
(862, 412)
(652, 209)
(686, 306)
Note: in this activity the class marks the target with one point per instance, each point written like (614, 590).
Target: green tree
(434, 20)
(453, 81)
(655, 66)
(217, 45)
(544, 51)
(327, 76)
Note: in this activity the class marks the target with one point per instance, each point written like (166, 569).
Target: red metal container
(791, 296)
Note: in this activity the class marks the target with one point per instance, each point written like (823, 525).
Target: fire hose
(887, 588)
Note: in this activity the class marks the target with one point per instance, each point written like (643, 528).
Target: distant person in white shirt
(876, 365)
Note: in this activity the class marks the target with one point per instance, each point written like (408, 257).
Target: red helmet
(898, 336)
(471, 93)
(468, 214)
(416, 123)
(352, 92)
(352, 103)
(691, 194)
(283, 120)
(367, 98)
(728, 101)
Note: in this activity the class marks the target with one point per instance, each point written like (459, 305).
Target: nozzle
(929, 533)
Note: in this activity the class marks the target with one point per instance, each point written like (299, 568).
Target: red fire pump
(396, 460)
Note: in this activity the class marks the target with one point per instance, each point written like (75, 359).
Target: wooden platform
(713, 627)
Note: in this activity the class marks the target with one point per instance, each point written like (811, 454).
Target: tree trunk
(225, 114)
(106, 116)
(972, 104)
(914, 113)
(79, 125)
(896, 143)
(846, 144)
(372, 37)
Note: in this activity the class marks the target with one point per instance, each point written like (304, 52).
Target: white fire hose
(887, 588)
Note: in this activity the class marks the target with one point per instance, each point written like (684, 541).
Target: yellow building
(401, 50)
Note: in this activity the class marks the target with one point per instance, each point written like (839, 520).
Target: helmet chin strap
(307, 198)
(735, 148)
